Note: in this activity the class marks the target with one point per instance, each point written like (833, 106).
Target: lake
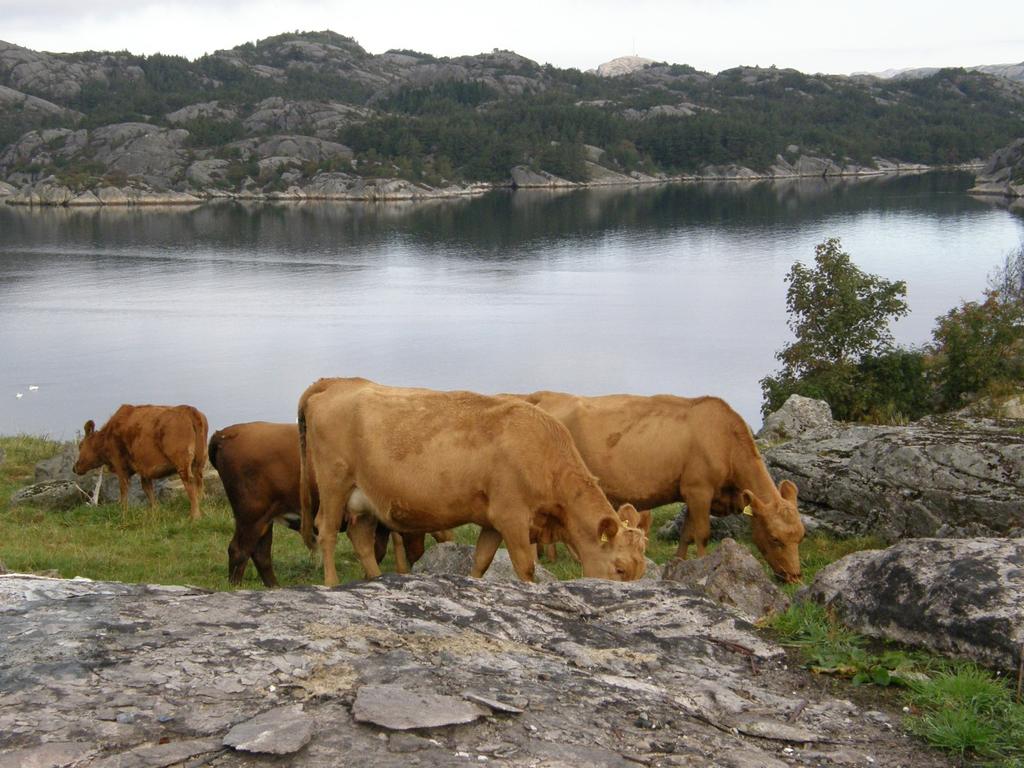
(237, 308)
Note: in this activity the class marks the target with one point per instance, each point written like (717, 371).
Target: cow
(657, 450)
(629, 514)
(258, 463)
(419, 460)
(152, 441)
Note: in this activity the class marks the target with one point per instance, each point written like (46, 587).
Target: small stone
(125, 718)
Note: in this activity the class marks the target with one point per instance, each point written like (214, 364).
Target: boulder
(957, 474)
(172, 488)
(52, 494)
(732, 576)
(1003, 174)
(454, 558)
(59, 468)
(959, 597)
(589, 672)
(798, 417)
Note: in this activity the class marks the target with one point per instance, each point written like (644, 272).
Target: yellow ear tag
(604, 538)
(748, 511)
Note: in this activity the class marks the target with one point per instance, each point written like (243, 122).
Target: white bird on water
(33, 387)
(20, 395)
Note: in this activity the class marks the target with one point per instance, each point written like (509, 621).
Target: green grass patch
(966, 710)
(958, 707)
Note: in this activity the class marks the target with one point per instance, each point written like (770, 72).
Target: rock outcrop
(942, 476)
(1003, 174)
(956, 597)
(731, 576)
(580, 673)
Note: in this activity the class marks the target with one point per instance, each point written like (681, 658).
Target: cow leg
(697, 527)
(381, 536)
(193, 494)
(122, 481)
(147, 486)
(486, 545)
(333, 499)
(414, 545)
(401, 561)
(362, 531)
(522, 553)
(261, 557)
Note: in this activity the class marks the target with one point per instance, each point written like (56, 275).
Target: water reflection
(236, 308)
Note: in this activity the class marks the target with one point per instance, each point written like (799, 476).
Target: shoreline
(47, 193)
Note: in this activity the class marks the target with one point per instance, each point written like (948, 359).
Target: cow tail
(200, 428)
(305, 495)
(213, 448)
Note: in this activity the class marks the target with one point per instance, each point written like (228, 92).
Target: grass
(961, 708)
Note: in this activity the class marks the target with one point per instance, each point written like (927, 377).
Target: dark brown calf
(152, 441)
(258, 463)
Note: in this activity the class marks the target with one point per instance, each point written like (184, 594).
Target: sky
(712, 35)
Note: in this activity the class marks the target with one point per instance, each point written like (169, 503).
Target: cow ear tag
(748, 511)
(604, 538)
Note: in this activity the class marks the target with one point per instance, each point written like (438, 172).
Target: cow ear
(644, 520)
(751, 504)
(608, 528)
(788, 491)
(90, 427)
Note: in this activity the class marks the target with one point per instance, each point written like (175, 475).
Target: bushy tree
(843, 353)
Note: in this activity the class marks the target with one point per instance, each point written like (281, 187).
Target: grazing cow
(640, 520)
(656, 450)
(258, 463)
(419, 460)
(152, 441)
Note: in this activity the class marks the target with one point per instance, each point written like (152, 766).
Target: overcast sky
(809, 35)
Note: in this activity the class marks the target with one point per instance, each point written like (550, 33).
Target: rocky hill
(315, 115)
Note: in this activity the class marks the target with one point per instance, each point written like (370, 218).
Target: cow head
(90, 450)
(777, 530)
(621, 547)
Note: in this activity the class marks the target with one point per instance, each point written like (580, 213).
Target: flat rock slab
(398, 709)
(280, 731)
(606, 674)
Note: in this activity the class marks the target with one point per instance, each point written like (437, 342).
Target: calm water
(237, 309)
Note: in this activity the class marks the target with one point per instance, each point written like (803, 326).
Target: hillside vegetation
(464, 119)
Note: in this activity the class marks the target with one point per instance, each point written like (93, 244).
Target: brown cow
(152, 441)
(258, 463)
(656, 450)
(420, 460)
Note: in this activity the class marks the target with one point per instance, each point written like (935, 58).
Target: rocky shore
(1003, 174)
(342, 186)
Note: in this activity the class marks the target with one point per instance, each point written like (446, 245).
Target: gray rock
(59, 468)
(584, 659)
(798, 417)
(209, 110)
(280, 731)
(52, 494)
(732, 576)
(397, 709)
(205, 173)
(453, 558)
(1003, 173)
(896, 482)
(172, 488)
(956, 597)
(524, 177)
